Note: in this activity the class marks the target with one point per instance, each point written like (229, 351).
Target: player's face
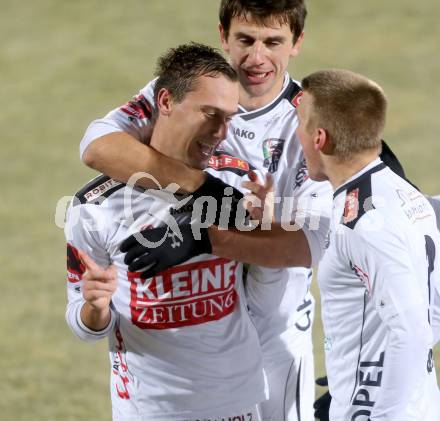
(201, 120)
(307, 133)
(260, 55)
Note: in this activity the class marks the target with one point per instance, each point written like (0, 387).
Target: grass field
(64, 63)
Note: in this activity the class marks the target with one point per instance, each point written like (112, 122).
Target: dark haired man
(182, 345)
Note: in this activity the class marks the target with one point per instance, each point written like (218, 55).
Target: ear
(323, 142)
(164, 102)
(297, 46)
(223, 38)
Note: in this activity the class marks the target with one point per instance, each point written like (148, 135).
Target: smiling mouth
(257, 77)
(207, 149)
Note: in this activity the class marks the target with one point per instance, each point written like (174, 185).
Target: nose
(221, 130)
(255, 56)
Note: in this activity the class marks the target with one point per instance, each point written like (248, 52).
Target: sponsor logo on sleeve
(120, 367)
(297, 99)
(361, 275)
(222, 161)
(101, 189)
(184, 295)
(75, 266)
(272, 151)
(351, 209)
(138, 108)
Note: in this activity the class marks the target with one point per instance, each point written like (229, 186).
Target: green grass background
(64, 63)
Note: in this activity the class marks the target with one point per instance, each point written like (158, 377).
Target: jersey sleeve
(435, 321)
(435, 203)
(134, 117)
(307, 205)
(84, 224)
(381, 260)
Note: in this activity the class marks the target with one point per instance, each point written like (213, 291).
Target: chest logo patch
(272, 151)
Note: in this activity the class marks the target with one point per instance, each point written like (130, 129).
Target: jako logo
(246, 134)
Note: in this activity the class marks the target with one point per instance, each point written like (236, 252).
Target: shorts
(291, 385)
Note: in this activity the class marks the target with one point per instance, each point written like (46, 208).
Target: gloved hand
(322, 404)
(153, 250)
(228, 211)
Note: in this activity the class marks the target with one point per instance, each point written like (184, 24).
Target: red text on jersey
(184, 295)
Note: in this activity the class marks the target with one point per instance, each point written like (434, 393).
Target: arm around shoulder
(120, 156)
(272, 248)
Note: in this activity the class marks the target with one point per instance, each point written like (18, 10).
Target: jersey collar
(249, 115)
(369, 169)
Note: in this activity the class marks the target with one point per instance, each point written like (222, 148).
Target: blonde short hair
(350, 107)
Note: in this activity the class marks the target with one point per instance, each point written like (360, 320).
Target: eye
(246, 41)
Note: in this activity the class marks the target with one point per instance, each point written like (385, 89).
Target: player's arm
(396, 293)
(120, 155)
(273, 248)
(435, 203)
(435, 317)
(251, 247)
(90, 285)
(298, 241)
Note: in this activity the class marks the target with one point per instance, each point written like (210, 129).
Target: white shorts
(250, 414)
(291, 389)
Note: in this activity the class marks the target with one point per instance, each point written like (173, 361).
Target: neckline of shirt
(262, 110)
(369, 169)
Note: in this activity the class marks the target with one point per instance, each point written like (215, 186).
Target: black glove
(143, 255)
(322, 404)
(227, 198)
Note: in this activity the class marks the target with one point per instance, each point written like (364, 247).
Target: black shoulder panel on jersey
(358, 198)
(223, 161)
(97, 190)
(390, 159)
(292, 93)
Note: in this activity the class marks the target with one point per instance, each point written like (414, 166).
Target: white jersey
(265, 139)
(435, 320)
(280, 299)
(376, 285)
(181, 344)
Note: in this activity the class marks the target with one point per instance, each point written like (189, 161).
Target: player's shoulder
(96, 191)
(293, 93)
(360, 196)
(148, 90)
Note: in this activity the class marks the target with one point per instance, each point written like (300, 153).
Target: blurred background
(63, 64)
